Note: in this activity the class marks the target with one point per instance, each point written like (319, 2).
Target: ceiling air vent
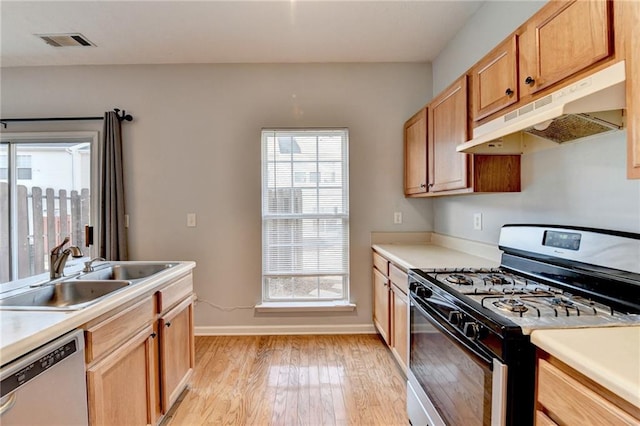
(65, 40)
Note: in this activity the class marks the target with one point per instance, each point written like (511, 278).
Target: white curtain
(112, 235)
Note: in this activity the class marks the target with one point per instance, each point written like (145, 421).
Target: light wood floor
(293, 380)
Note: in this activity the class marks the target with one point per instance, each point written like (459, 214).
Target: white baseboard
(254, 330)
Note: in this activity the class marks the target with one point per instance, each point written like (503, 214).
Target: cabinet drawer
(570, 402)
(173, 293)
(381, 264)
(543, 420)
(398, 277)
(107, 335)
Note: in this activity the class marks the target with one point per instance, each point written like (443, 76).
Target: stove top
(528, 303)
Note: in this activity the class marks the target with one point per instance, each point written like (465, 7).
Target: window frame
(344, 216)
(11, 139)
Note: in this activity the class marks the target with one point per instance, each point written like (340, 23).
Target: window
(45, 195)
(23, 167)
(305, 222)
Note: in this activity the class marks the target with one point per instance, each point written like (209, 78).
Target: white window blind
(305, 215)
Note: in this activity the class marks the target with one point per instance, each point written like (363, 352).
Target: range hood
(590, 106)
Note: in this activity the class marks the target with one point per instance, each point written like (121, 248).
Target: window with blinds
(305, 215)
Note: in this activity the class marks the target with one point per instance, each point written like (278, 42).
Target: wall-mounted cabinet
(447, 129)
(563, 43)
(415, 154)
(494, 80)
(629, 31)
(563, 39)
(433, 167)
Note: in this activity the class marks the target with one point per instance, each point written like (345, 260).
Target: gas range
(527, 302)
(475, 323)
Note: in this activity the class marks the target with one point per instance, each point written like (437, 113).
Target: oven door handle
(482, 358)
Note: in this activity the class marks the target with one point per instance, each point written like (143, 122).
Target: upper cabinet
(415, 154)
(447, 129)
(494, 79)
(564, 38)
(565, 42)
(433, 166)
(629, 11)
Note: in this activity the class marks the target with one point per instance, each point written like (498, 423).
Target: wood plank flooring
(293, 380)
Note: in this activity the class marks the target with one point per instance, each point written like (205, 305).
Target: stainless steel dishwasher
(46, 386)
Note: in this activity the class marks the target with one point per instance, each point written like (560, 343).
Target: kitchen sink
(65, 295)
(129, 271)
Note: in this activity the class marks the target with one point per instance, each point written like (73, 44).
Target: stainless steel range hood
(590, 106)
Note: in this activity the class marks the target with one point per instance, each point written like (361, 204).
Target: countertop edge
(555, 343)
(71, 320)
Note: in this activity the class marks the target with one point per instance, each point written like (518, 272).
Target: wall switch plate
(477, 221)
(191, 220)
(397, 218)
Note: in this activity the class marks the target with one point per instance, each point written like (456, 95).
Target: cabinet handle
(430, 185)
(168, 324)
(529, 80)
(153, 335)
(508, 92)
(422, 185)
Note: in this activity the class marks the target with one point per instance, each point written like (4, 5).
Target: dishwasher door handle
(8, 404)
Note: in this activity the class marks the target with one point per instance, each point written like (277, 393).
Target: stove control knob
(472, 330)
(455, 317)
(423, 292)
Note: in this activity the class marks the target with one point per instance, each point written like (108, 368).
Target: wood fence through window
(45, 217)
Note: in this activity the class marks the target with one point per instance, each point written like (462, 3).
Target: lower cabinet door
(400, 346)
(121, 387)
(177, 355)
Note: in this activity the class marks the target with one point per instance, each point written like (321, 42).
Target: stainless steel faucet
(88, 266)
(58, 258)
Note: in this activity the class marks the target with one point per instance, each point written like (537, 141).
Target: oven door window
(457, 384)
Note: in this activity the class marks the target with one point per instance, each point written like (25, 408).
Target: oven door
(462, 383)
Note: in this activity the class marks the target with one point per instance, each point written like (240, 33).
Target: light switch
(191, 220)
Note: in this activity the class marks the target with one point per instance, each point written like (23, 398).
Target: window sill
(305, 307)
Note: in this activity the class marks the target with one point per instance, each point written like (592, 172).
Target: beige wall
(194, 146)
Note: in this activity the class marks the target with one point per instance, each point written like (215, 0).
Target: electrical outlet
(477, 221)
(397, 218)
(191, 220)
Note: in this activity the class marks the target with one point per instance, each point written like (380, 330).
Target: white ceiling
(237, 31)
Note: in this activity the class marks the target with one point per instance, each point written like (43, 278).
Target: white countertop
(428, 255)
(610, 356)
(23, 331)
(431, 255)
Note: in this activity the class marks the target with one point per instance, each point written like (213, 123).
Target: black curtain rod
(122, 117)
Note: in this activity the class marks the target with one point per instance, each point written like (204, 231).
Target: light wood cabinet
(391, 307)
(494, 80)
(448, 169)
(566, 397)
(140, 357)
(563, 39)
(399, 315)
(381, 303)
(415, 154)
(630, 33)
(400, 332)
(177, 358)
(121, 387)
